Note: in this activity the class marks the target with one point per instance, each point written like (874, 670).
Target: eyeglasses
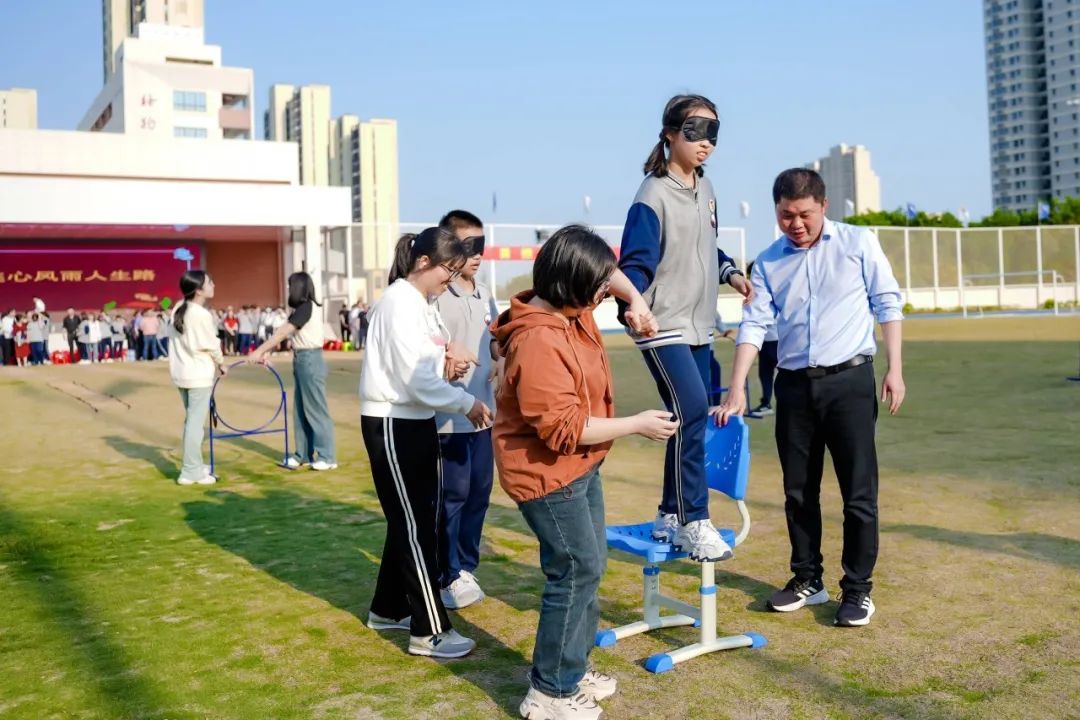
(602, 291)
(696, 129)
(454, 274)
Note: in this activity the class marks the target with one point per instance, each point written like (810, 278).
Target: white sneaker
(461, 593)
(184, 481)
(538, 706)
(378, 622)
(293, 463)
(665, 526)
(448, 644)
(597, 685)
(473, 581)
(321, 465)
(702, 542)
(207, 479)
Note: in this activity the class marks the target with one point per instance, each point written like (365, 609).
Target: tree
(898, 218)
(1062, 212)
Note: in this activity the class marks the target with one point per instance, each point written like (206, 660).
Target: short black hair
(301, 290)
(571, 267)
(457, 219)
(798, 183)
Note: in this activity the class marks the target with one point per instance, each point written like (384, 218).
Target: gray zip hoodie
(669, 252)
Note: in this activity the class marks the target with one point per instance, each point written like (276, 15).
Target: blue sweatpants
(467, 477)
(682, 376)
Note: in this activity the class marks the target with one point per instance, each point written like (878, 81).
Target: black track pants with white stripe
(405, 466)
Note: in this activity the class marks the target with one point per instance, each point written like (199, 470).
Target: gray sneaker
(447, 644)
(378, 622)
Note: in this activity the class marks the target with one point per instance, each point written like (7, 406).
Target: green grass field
(123, 595)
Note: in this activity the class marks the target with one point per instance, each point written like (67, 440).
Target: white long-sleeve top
(194, 354)
(404, 357)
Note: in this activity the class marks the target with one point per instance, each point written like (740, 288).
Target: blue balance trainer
(282, 412)
(727, 469)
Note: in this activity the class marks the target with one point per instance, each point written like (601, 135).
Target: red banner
(92, 276)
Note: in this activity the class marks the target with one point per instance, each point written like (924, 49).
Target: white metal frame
(685, 614)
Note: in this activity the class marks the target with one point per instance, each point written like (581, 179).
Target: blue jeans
(569, 523)
(196, 408)
(683, 378)
(149, 347)
(37, 353)
(314, 428)
(467, 476)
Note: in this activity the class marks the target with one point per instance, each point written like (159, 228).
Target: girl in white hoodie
(195, 360)
(402, 384)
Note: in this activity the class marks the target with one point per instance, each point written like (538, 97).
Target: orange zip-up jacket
(557, 375)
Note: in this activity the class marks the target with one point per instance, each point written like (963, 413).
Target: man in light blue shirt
(824, 284)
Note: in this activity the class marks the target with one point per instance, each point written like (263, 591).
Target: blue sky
(545, 103)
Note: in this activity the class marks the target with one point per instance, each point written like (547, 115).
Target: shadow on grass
(122, 690)
(322, 547)
(1026, 545)
(144, 452)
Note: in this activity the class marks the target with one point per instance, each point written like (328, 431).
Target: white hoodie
(403, 362)
(194, 354)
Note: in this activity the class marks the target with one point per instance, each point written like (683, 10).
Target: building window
(189, 132)
(189, 100)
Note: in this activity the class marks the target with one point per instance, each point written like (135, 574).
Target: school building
(88, 219)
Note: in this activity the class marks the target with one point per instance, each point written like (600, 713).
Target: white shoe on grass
(323, 465)
(597, 685)
(184, 481)
(378, 622)
(206, 479)
(538, 706)
(447, 644)
(473, 581)
(702, 542)
(293, 463)
(461, 593)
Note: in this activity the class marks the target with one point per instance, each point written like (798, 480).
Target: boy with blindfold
(670, 254)
(467, 309)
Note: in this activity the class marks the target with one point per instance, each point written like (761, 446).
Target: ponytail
(439, 246)
(190, 282)
(656, 164)
(676, 111)
(402, 258)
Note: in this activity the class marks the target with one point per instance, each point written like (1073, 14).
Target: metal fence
(1019, 267)
(937, 268)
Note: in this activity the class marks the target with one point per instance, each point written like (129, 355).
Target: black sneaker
(763, 410)
(798, 593)
(856, 609)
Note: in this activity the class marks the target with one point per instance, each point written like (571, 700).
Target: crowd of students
(450, 389)
(141, 335)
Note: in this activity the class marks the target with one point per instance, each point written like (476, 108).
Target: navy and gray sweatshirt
(669, 252)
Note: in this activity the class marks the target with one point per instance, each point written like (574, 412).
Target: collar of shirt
(461, 292)
(828, 232)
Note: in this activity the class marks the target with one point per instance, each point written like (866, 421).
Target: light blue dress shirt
(824, 300)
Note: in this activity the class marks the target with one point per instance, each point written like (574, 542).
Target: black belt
(820, 372)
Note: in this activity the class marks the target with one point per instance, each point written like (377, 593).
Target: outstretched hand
(742, 285)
